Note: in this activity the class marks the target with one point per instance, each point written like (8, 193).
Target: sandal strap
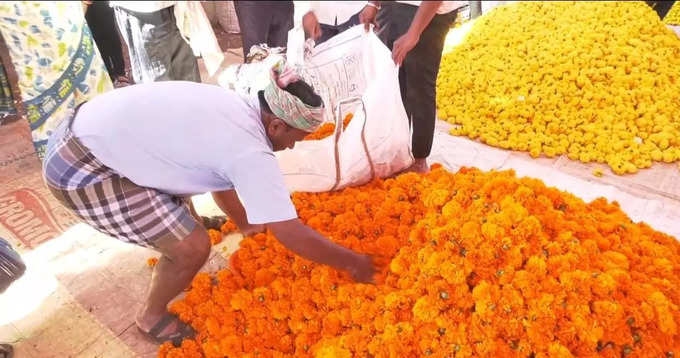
(164, 322)
(6, 351)
(213, 222)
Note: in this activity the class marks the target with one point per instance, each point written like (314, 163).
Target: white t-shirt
(186, 138)
(328, 12)
(445, 8)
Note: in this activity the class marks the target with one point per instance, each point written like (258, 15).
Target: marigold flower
(491, 265)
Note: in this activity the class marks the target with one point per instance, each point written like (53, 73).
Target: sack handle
(339, 129)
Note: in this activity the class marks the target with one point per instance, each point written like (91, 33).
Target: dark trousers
(264, 22)
(418, 72)
(102, 23)
(661, 7)
(156, 48)
(328, 30)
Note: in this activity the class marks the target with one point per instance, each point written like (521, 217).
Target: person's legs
(101, 20)
(421, 66)
(183, 63)
(281, 23)
(393, 20)
(661, 7)
(128, 26)
(173, 273)
(328, 31)
(157, 50)
(138, 215)
(254, 19)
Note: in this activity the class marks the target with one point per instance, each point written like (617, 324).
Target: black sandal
(183, 331)
(6, 351)
(213, 222)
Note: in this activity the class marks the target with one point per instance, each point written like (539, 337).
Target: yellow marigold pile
(473, 264)
(597, 81)
(673, 16)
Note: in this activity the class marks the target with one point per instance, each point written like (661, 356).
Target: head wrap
(288, 107)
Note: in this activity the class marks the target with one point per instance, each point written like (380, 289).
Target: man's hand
(86, 4)
(304, 241)
(310, 24)
(363, 270)
(367, 17)
(252, 229)
(403, 45)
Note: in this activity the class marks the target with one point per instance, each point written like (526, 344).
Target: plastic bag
(354, 73)
(249, 78)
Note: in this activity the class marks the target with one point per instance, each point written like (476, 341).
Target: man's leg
(281, 23)
(254, 19)
(172, 274)
(147, 37)
(101, 20)
(329, 31)
(183, 63)
(127, 26)
(422, 67)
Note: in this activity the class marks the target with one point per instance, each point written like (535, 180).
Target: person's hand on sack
(284, 75)
(403, 45)
(310, 24)
(367, 17)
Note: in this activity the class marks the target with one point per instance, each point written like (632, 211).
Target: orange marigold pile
(327, 129)
(473, 264)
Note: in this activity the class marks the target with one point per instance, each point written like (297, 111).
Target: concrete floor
(82, 289)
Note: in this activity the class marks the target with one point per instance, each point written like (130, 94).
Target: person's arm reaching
(408, 41)
(308, 243)
(230, 204)
(263, 194)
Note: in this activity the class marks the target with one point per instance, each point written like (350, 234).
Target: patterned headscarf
(286, 106)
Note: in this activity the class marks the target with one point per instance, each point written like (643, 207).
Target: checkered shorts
(109, 202)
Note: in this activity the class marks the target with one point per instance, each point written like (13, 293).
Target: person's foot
(121, 81)
(165, 328)
(419, 166)
(213, 222)
(6, 351)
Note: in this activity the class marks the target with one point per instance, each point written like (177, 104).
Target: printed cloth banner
(56, 60)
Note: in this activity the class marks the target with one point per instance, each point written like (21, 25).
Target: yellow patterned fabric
(56, 60)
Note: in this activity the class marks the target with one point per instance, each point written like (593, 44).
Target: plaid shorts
(110, 203)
